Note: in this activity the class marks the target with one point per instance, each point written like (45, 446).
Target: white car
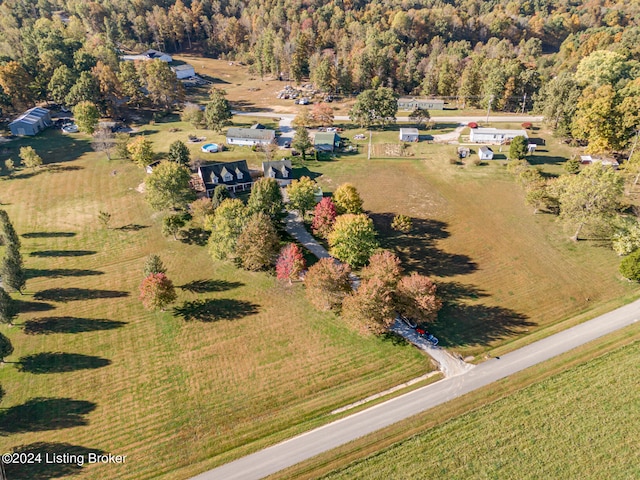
(73, 128)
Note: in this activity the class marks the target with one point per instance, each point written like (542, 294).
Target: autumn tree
(370, 307)
(157, 291)
(12, 269)
(572, 166)
(518, 148)
(152, 265)
(163, 87)
(62, 80)
(8, 235)
(375, 107)
(86, 89)
(557, 101)
(419, 116)
(590, 198)
(226, 226)
(627, 238)
(302, 195)
(168, 186)
(86, 115)
(6, 348)
(347, 199)
(290, 263)
(30, 158)
(416, 297)
(258, 244)
(15, 82)
(220, 193)
(353, 239)
(140, 151)
(202, 212)
(104, 140)
(302, 141)
(172, 224)
(597, 121)
(130, 84)
(217, 113)
(402, 223)
(630, 266)
(324, 216)
(266, 197)
(384, 266)
(327, 283)
(8, 307)
(193, 114)
(322, 114)
(303, 118)
(179, 153)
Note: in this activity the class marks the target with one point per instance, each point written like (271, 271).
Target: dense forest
(566, 58)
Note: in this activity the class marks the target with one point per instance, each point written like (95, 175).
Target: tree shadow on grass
(48, 325)
(195, 236)
(48, 235)
(60, 272)
(63, 253)
(74, 294)
(417, 249)
(55, 168)
(43, 470)
(29, 307)
(131, 227)
(207, 286)
(213, 310)
(58, 362)
(41, 414)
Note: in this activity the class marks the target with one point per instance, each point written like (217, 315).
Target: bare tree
(104, 140)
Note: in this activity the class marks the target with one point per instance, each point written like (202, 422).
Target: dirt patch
(387, 150)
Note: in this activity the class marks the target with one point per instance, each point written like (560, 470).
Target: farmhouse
(280, 170)
(326, 141)
(485, 153)
(234, 175)
(409, 135)
(250, 136)
(148, 55)
(184, 71)
(411, 103)
(605, 161)
(493, 135)
(31, 122)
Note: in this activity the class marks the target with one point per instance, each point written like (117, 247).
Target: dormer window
(285, 172)
(272, 172)
(239, 174)
(228, 177)
(214, 178)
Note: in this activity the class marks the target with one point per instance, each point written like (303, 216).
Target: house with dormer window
(234, 175)
(280, 170)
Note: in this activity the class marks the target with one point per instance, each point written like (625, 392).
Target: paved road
(436, 119)
(310, 444)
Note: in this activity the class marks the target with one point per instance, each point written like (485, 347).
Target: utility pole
(369, 155)
(524, 102)
(489, 107)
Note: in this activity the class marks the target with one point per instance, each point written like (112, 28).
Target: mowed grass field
(503, 271)
(93, 371)
(581, 423)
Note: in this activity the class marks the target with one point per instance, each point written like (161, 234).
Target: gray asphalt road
(307, 445)
(436, 119)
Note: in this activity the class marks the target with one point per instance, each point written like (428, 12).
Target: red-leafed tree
(290, 263)
(327, 283)
(416, 297)
(324, 217)
(157, 291)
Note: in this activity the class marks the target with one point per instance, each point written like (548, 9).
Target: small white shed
(184, 71)
(485, 153)
(409, 135)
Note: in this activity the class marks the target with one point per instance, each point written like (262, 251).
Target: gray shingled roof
(251, 133)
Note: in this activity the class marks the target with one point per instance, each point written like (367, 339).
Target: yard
(239, 363)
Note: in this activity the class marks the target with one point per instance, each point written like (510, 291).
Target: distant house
(149, 168)
(411, 103)
(409, 135)
(485, 153)
(605, 161)
(184, 71)
(234, 175)
(31, 122)
(250, 136)
(280, 170)
(148, 55)
(493, 135)
(326, 141)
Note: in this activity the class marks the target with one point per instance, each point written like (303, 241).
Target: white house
(409, 135)
(485, 153)
(605, 161)
(148, 55)
(493, 135)
(250, 136)
(184, 71)
(411, 103)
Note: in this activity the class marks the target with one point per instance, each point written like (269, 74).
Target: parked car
(72, 128)
(287, 144)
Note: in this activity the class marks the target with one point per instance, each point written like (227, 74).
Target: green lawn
(582, 423)
(93, 371)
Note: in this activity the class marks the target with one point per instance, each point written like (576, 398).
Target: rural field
(241, 361)
(581, 423)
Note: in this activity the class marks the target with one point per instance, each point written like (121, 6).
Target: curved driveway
(332, 435)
